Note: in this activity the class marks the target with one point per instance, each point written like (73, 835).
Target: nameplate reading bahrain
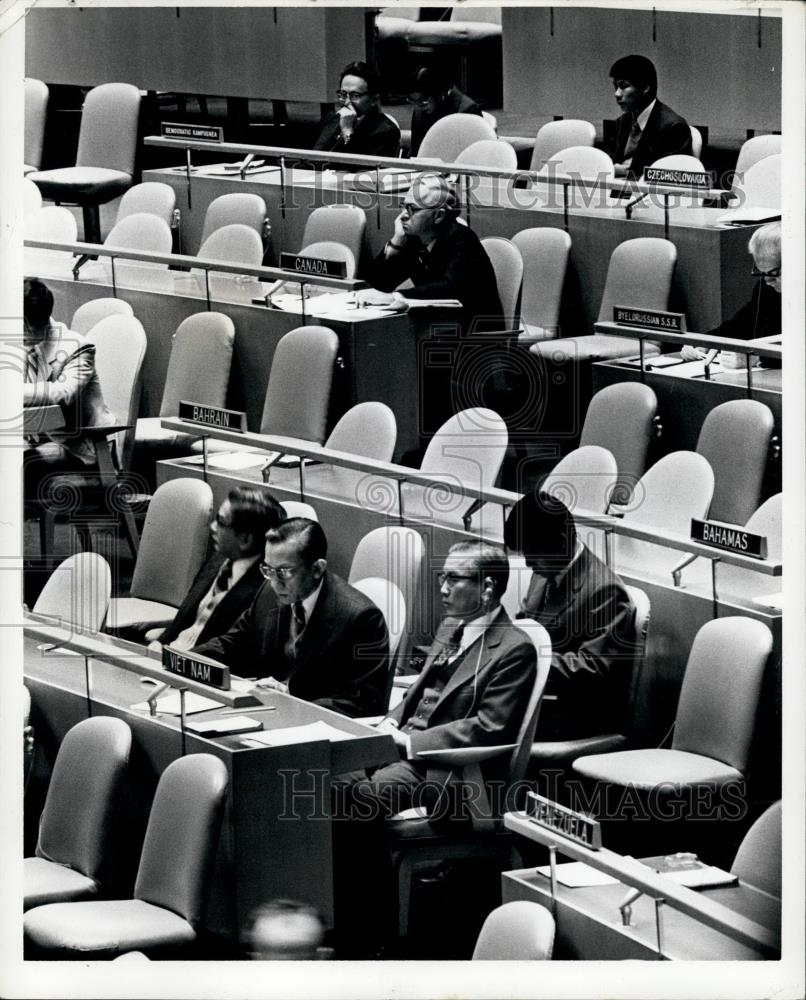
(316, 266)
(685, 178)
(651, 319)
(729, 538)
(198, 133)
(213, 416)
(196, 668)
(579, 827)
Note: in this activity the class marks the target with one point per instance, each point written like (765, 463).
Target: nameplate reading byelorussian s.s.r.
(317, 267)
(703, 179)
(579, 827)
(198, 133)
(650, 319)
(213, 416)
(729, 537)
(196, 668)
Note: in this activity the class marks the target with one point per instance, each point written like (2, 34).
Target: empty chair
(32, 199)
(508, 267)
(91, 313)
(296, 508)
(105, 159)
(151, 197)
(36, 111)
(753, 150)
(233, 244)
(51, 223)
(235, 209)
(140, 231)
(553, 137)
(386, 596)
(172, 885)
(331, 250)
(77, 825)
(343, 224)
(544, 253)
(447, 137)
(491, 120)
(679, 161)
(584, 479)
(518, 931)
(760, 187)
(758, 860)
(368, 430)
(172, 548)
(577, 163)
(489, 153)
(696, 142)
(77, 592)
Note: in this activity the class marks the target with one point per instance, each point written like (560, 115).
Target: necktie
(451, 646)
(633, 140)
(224, 578)
(295, 629)
(31, 364)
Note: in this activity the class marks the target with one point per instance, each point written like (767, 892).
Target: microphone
(709, 359)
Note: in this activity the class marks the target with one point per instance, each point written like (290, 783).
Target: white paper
(300, 734)
(576, 875)
(168, 704)
(235, 460)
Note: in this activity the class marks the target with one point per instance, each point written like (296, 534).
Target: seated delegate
(435, 95)
(358, 125)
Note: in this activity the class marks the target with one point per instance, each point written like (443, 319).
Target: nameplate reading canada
(703, 179)
(198, 133)
(316, 266)
(650, 319)
(579, 827)
(729, 538)
(196, 668)
(213, 416)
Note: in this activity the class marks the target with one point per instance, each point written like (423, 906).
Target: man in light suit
(308, 632)
(647, 129)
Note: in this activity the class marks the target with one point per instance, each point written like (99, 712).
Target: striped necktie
(451, 647)
(296, 627)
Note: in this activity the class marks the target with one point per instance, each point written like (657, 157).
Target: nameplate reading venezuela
(580, 828)
(703, 179)
(198, 133)
(196, 668)
(317, 266)
(652, 319)
(729, 538)
(213, 416)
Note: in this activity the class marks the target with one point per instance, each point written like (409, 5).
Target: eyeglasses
(280, 573)
(350, 95)
(419, 102)
(774, 272)
(451, 579)
(410, 209)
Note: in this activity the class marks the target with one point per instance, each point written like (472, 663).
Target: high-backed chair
(518, 931)
(715, 717)
(508, 267)
(386, 596)
(583, 479)
(578, 163)
(234, 243)
(553, 137)
(696, 142)
(761, 184)
(52, 223)
(172, 548)
(753, 150)
(36, 111)
(237, 208)
(172, 886)
(489, 153)
(679, 161)
(447, 137)
(91, 313)
(544, 252)
(758, 860)
(296, 508)
(104, 167)
(151, 197)
(139, 231)
(77, 592)
(343, 224)
(76, 830)
(32, 199)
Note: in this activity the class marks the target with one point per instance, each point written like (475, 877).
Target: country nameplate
(576, 826)
(703, 179)
(197, 133)
(317, 267)
(650, 319)
(213, 416)
(729, 537)
(196, 668)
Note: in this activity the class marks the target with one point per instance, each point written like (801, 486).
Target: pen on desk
(254, 708)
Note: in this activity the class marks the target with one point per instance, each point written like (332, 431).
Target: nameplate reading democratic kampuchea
(579, 827)
(318, 267)
(650, 319)
(729, 537)
(196, 668)
(198, 133)
(703, 179)
(213, 416)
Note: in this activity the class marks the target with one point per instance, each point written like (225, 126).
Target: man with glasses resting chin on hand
(308, 632)
(358, 125)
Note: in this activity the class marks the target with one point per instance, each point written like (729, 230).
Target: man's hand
(272, 684)
(347, 120)
(691, 353)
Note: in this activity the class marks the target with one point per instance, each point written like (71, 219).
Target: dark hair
(37, 302)
(308, 534)
(541, 525)
(370, 76)
(490, 559)
(639, 70)
(432, 80)
(254, 512)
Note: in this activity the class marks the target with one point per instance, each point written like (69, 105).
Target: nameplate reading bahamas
(316, 266)
(651, 319)
(579, 827)
(196, 668)
(213, 416)
(729, 538)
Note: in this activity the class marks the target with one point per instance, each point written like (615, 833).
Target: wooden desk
(276, 836)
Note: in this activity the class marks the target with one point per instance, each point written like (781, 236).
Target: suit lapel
(321, 623)
(476, 658)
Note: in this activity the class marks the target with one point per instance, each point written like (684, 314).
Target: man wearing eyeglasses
(308, 632)
(358, 125)
(434, 96)
(761, 316)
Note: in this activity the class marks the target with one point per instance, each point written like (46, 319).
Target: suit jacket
(590, 619)
(760, 317)
(237, 599)
(375, 134)
(455, 103)
(666, 133)
(342, 659)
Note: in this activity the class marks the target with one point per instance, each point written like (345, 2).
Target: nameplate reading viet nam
(703, 179)
(651, 319)
(196, 668)
(198, 133)
(213, 416)
(579, 827)
(729, 538)
(316, 266)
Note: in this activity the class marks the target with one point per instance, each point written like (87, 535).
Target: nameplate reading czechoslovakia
(197, 133)
(213, 416)
(580, 828)
(651, 319)
(196, 668)
(703, 179)
(317, 267)
(729, 537)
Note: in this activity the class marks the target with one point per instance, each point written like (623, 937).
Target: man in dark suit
(227, 583)
(586, 611)
(647, 129)
(358, 125)
(307, 631)
(435, 95)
